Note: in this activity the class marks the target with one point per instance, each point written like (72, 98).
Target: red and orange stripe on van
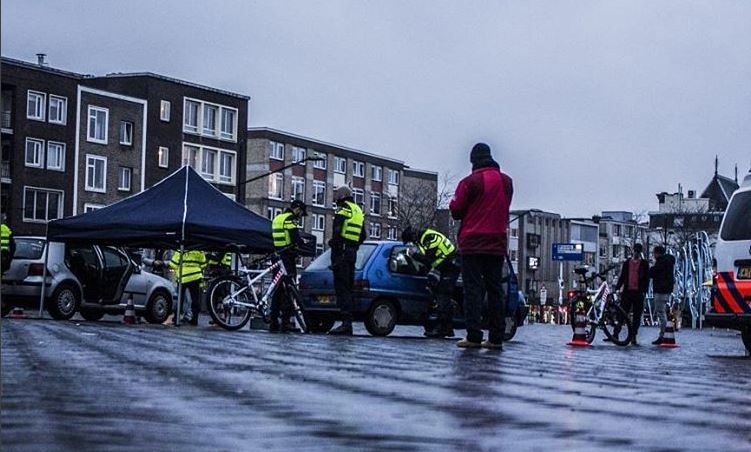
(731, 296)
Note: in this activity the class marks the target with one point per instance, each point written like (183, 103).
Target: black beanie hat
(480, 152)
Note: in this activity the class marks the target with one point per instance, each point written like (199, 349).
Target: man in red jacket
(482, 202)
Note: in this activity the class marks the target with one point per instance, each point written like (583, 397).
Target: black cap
(480, 152)
(301, 205)
(408, 235)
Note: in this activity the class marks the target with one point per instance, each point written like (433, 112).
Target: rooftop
(175, 80)
(38, 67)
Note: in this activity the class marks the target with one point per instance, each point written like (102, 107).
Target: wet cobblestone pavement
(106, 386)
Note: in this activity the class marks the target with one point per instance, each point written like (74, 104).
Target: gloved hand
(434, 276)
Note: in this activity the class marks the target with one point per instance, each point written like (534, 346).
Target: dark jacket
(482, 202)
(643, 276)
(662, 276)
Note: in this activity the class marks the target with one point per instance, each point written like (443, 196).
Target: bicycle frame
(250, 284)
(599, 301)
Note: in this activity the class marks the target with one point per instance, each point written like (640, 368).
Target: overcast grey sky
(589, 105)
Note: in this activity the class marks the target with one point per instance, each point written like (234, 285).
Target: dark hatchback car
(389, 291)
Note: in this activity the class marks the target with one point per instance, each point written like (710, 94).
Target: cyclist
(287, 239)
(436, 251)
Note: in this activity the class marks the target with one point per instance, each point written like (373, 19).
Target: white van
(731, 291)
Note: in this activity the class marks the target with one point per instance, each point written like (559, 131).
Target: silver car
(93, 280)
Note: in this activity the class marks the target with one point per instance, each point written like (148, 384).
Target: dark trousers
(633, 301)
(280, 301)
(343, 267)
(443, 292)
(483, 274)
(194, 289)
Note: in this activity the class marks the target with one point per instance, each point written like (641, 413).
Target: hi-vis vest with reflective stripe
(192, 268)
(434, 240)
(226, 260)
(281, 226)
(353, 221)
(5, 237)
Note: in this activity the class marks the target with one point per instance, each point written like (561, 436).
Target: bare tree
(420, 201)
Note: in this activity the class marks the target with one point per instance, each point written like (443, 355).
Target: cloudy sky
(589, 105)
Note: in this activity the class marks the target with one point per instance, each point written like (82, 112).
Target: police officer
(218, 264)
(286, 233)
(7, 246)
(190, 275)
(436, 251)
(348, 234)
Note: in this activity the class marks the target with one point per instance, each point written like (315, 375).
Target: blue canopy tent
(183, 211)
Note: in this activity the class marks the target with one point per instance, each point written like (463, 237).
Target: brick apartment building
(72, 142)
(377, 182)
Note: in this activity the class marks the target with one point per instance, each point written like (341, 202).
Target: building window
(89, 207)
(276, 186)
(376, 173)
(55, 156)
(514, 233)
(123, 178)
(190, 156)
(393, 177)
(190, 116)
(298, 154)
(393, 207)
(616, 230)
(375, 203)
(41, 205)
(58, 110)
(298, 188)
(226, 167)
(164, 110)
(228, 123)
(514, 255)
(208, 163)
(340, 165)
(319, 222)
(277, 150)
(319, 249)
(616, 253)
(375, 230)
(359, 196)
(96, 173)
(97, 130)
(320, 164)
(126, 133)
(209, 120)
(34, 156)
(35, 104)
(358, 169)
(391, 233)
(319, 193)
(163, 157)
(214, 164)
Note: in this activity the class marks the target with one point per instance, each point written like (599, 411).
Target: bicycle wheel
(223, 306)
(590, 330)
(616, 324)
(294, 299)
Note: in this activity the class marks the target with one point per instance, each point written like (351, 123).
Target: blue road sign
(568, 252)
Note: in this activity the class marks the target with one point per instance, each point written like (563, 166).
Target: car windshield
(29, 248)
(737, 224)
(323, 261)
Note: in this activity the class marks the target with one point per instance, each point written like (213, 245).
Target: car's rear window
(29, 248)
(737, 224)
(323, 261)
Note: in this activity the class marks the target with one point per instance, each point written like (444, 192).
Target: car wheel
(381, 318)
(92, 315)
(746, 336)
(319, 323)
(159, 307)
(64, 302)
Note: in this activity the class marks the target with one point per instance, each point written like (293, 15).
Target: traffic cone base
(580, 333)
(668, 339)
(130, 312)
(17, 313)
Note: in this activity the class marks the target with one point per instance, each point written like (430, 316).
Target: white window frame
(340, 165)
(38, 162)
(279, 177)
(373, 197)
(62, 148)
(393, 177)
(89, 137)
(358, 168)
(40, 107)
(375, 230)
(297, 181)
(90, 207)
(120, 186)
(164, 110)
(199, 112)
(217, 132)
(389, 211)
(275, 153)
(391, 233)
(320, 164)
(163, 157)
(210, 174)
(222, 134)
(358, 192)
(376, 170)
(89, 186)
(298, 154)
(205, 131)
(60, 204)
(233, 165)
(125, 138)
(220, 153)
(62, 117)
(318, 184)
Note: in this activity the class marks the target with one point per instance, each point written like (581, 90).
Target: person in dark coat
(482, 202)
(663, 281)
(634, 282)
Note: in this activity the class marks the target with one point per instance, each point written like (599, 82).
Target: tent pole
(44, 279)
(180, 284)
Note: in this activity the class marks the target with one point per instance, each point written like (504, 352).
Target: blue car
(390, 290)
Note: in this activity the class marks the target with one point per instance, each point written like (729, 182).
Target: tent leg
(179, 285)
(44, 280)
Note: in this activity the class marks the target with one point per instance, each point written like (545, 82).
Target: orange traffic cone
(17, 313)
(130, 312)
(580, 332)
(668, 339)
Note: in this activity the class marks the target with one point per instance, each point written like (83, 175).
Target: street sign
(568, 252)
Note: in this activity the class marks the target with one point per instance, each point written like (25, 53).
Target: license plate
(325, 299)
(744, 273)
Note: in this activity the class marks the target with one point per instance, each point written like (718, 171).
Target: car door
(116, 271)
(84, 263)
(406, 280)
